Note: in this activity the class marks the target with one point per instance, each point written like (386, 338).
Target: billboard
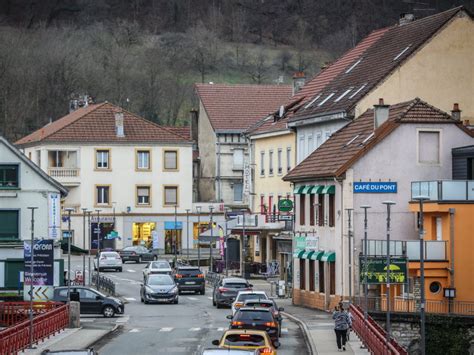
(376, 270)
(43, 269)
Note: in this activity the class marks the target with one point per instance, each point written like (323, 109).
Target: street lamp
(187, 232)
(210, 244)
(242, 258)
(32, 271)
(366, 286)
(349, 235)
(97, 282)
(175, 235)
(421, 231)
(69, 210)
(389, 205)
(90, 242)
(198, 210)
(226, 245)
(84, 211)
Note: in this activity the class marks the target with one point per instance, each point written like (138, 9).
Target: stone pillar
(74, 314)
(417, 293)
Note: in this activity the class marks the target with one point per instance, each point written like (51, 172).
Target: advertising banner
(154, 236)
(376, 270)
(54, 217)
(221, 241)
(300, 242)
(43, 269)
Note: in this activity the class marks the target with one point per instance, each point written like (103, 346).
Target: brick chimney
(456, 112)
(194, 125)
(381, 112)
(299, 79)
(119, 129)
(406, 18)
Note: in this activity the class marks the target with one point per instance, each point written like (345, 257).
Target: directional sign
(40, 293)
(285, 205)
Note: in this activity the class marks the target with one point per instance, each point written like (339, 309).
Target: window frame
(164, 195)
(96, 195)
(164, 159)
(321, 216)
(137, 159)
(302, 209)
(331, 210)
(270, 162)
(440, 148)
(279, 161)
(242, 195)
(262, 163)
(234, 165)
(17, 168)
(288, 159)
(137, 197)
(109, 159)
(18, 222)
(312, 213)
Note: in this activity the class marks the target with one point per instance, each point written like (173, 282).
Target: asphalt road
(185, 328)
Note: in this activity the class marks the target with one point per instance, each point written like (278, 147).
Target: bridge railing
(15, 312)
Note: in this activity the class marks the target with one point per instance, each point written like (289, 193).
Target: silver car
(157, 267)
(107, 260)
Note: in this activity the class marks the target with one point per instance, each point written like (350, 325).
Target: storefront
(199, 228)
(173, 234)
(142, 234)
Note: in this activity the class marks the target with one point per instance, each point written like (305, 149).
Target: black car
(92, 301)
(159, 288)
(137, 254)
(226, 290)
(190, 278)
(270, 304)
(255, 318)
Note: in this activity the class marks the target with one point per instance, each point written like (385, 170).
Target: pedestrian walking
(342, 323)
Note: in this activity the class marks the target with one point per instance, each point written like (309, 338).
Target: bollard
(74, 314)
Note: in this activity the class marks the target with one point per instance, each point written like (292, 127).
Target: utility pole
(97, 282)
(388, 325)
(175, 235)
(242, 261)
(211, 268)
(32, 243)
(187, 232)
(226, 246)
(198, 210)
(349, 236)
(366, 286)
(90, 243)
(69, 210)
(84, 211)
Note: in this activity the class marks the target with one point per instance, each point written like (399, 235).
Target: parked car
(226, 290)
(243, 296)
(190, 278)
(217, 351)
(108, 260)
(137, 254)
(159, 288)
(157, 267)
(247, 339)
(92, 301)
(270, 304)
(255, 318)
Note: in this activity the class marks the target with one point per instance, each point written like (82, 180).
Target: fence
(15, 312)
(213, 278)
(104, 284)
(17, 337)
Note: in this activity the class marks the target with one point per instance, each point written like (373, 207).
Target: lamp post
(187, 232)
(98, 249)
(69, 210)
(90, 243)
(226, 245)
(421, 230)
(198, 210)
(349, 236)
(242, 258)
(84, 211)
(211, 268)
(175, 234)
(366, 286)
(389, 205)
(32, 243)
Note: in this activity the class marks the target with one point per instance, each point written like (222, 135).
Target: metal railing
(12, 313)
(17, 337)
(103, 284)
(433, 249)
(63, 172)
(444, 190)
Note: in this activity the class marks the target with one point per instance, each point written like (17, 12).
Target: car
(137, 254)
(271, 304)
(243, 296)
(190, 278)
(226, 290)
(157, 267)
(91, 300)
(255, 318)
(247, 339)
(217, 351)
(159, 288)
(107, 260)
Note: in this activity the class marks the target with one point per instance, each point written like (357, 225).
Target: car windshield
(251, 296)
(160, 280)
(244, 340)
(160, 265)
(253, 315)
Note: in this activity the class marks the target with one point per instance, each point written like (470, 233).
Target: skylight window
(401, 53)
(353, 66)
(312, 101)
(327, 98)
(357, 91)
(343, 94)
(352, 140)
(368, 138)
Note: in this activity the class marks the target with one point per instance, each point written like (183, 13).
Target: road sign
(285, 217)
(285, 205)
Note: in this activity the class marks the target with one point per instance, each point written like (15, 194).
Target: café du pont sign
(375, 187)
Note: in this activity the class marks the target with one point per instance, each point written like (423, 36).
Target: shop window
(311, 275)
(320, 210)
(332, 211)
(102, 159)
(9, 177)
(332, 278)
(302, 274)
(143, 160)
(302, 209)
(321, 276)
(9, 224)
(102, 195)
(142, 234)
(171, 195)
(171, 160)
(143, 195)
(311, 209)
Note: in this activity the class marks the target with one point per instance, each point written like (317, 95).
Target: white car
(108, 260)
(157, 267)
(243, 296)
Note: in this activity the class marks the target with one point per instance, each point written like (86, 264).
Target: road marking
(221, 329)
(123, 319)
(194, 329)
(166, 329)
(130, 270)
(284, 330)
(210, 298)
(130, 298)
(192, 299)
(87, 320)
(134, 330)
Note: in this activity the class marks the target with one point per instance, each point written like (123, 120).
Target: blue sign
(375, 187)
(172, 226)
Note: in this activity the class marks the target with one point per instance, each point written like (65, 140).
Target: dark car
(190, 278)
(159, 288)
(92, 301)
(137, 254)
(270, 304)
(226, 291)
(255, 318)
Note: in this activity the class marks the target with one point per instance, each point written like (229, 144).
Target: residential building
(225, 113)
(372, 159)
(24, 185)
(134, 175)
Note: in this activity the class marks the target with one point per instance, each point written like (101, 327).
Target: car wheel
(203, 291)
(175, 301)
(145, 301)
(213, 302)
(108, 311)
(218, 305)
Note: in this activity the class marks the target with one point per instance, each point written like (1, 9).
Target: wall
(207, 156)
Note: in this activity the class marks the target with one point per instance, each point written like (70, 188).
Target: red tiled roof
(237, 107)
(183, 131)
(96, 123)
(335, 155)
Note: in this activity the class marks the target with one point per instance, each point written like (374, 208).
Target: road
(185, 328)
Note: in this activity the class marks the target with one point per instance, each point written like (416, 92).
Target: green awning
(298, 189)
(329, 256)
(317, 255)
(307, 254)
(298, 253)
(317, 189)
(329, 189)
(307, 189)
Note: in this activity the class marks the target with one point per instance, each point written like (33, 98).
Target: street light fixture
(211, 268)
(187, 232)
(421, 231)
(389, 204)
(226, 245)
(32, 271)
(366, 250)
(198, 210)
(84, 211)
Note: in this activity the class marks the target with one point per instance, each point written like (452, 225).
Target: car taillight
(266, 351)
(270, 324)
(238, 323)
(238, 305)
(201, 276)
(178, 276)
(223, 289)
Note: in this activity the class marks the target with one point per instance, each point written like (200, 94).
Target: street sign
(285, 205)
(285, 217)
(376, 270)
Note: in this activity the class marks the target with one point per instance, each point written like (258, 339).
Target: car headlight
(148, 290)
(174, 290)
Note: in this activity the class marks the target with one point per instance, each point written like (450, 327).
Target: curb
(307, 335)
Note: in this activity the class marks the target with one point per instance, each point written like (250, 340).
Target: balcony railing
(444, 190)
(435, 250)
(63, 172)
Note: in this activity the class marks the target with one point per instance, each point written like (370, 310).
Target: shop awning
(317, 189)
(329, 189)
(298, 253)
(298, 189)
(317, 255)
(307, 254)
(329, 256)
(307, 189)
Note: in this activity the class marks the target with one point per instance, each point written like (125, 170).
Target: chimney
(119, 131)
(298, 81)
(405, 18)
(380, 113)
(456, 112)
(194, 125)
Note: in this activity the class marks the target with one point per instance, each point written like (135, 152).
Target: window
(171, 195)
(38, 158)
(435, 287)
(301, 149)
(302, 274)
(143, 160)
(321, 276)
(102, 158)
(238, 159)
(270, 162)
(9, 177)
(171, 160)
(143, 195)
(262, 204)
(302, 209)
(262, 163)
(9, 224)
(270, 204)
(102, 195)
(332, 278)
(87, 294)
(439, 228)
(428, 147)
(311, 209)
(310, 144)
(288, 159)
(238, 189)
(280, 168)
(332, 211)
(320, 210)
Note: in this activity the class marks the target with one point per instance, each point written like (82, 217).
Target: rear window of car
(244, 339)
(110, 255)
(251, 296)
(254, 315)
(189, 272)
(160, 265)
(235, 285)
(258, 304)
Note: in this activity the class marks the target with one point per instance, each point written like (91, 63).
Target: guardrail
(16, 338)
(104, 284)
(15, 312)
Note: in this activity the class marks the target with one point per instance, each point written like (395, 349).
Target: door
(91, 302)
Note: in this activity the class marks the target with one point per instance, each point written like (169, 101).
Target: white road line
(194, 329)
(284, 330)
(210, 298)
(134, 330)
(192, 299)
(166, 329)
(123, 319)
(221, 329)
(130, 298)
(87, 320)
(130, 270)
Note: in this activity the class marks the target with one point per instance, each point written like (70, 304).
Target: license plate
(189, 283)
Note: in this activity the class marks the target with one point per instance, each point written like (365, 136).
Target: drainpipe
(342, 235)
(451, 244)
(218, 173)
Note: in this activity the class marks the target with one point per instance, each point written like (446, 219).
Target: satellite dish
(282, 111)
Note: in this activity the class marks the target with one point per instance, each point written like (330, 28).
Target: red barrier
(373, 336)
(16, 338)
(15, 312)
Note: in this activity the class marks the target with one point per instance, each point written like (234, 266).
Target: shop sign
(54, 204)
(173, 225)
(375, 187)
(312, 242)
(300, 241)
(285, 205)
(285, 217)
(376, 270)
(103, 219)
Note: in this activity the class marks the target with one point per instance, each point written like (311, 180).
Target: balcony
(63, 172)
(63, 166)
(434, 250)
(444, 190)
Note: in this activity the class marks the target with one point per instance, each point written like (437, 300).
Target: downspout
(251, 177)
(451, 244)
(218, 168)
(342, 235)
